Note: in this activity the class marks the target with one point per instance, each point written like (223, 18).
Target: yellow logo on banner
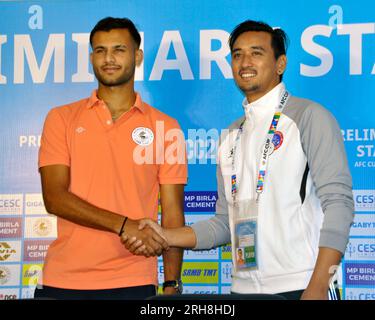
(6, 251)
(200, 272)
(30, 274)
(226, 252)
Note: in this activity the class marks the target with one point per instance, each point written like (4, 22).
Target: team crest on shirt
(277, 141)
(143, 136)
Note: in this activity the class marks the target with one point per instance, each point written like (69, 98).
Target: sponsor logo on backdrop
(364, 200)
(200, 272)
(363, 225)
(226, 252)
(10, 228)
(193, 218)
(11, 204)
(195, 272)
(10, 251)
(225, 289)
(200, 201)
(4, 275)
(160, 272)
(201, 289)
(360, 274)
(359, 294)
(31, 274)
(8, 294)
(226, 272)
(34, 204)
(41, 227)
(9, 275)
(360, 249)
(35, 250)
(201, 254)
(28, 293)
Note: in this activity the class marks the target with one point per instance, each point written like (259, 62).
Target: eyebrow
(253, 47)
(115, 46)
(120, 46)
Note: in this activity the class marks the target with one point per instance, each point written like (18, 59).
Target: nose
(109, 57)
(247, 61)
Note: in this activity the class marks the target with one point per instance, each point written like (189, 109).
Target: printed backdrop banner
(44, 62)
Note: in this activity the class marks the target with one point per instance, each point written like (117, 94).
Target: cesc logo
(359, 294)
(364, 200)
(11, 203)
(366, 247)
(356, 249)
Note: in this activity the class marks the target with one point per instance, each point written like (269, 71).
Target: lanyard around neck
(265, 150)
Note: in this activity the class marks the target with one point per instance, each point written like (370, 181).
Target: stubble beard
(124, 78)
(251, 88)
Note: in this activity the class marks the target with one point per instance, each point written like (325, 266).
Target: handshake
(144, 238)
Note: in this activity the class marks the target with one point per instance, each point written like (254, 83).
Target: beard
(249, 88)
(125, 77)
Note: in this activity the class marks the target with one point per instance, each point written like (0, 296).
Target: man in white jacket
(284, 187)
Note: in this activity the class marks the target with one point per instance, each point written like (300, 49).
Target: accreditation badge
(245, 229)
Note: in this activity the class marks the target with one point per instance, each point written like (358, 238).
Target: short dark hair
(279, 39)
(109, 23)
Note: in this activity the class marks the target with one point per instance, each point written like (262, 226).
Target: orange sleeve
(54, 147)
(174, 168)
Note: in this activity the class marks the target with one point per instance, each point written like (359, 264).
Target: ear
(91, 57)
(138, 57)
(281, 64)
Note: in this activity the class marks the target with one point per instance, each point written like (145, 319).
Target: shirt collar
(269, 100)
(93, 100)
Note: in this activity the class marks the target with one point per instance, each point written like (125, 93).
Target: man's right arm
(61, 202)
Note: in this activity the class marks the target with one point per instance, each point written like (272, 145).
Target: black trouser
(296, 295)
(130, 293)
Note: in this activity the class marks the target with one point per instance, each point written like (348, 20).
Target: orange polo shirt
(108, 169)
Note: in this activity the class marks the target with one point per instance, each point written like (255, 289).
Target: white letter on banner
(82, 74)
(207, 55)
(139, 71)
(3, 79)
(55, 45)
(322, 53)
(355, 32)
(180, 63)
(36, 21)
(336, 19)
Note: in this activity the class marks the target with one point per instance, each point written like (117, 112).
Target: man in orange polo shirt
(103, 162)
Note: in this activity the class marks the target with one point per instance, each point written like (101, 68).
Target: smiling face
(255, 69)
(114, 57)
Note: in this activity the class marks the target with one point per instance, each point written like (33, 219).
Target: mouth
(110, 69)
(248, 74)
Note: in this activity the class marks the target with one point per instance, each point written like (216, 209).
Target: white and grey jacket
(307, 201)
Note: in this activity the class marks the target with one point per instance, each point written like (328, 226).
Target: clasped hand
(144, 237)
